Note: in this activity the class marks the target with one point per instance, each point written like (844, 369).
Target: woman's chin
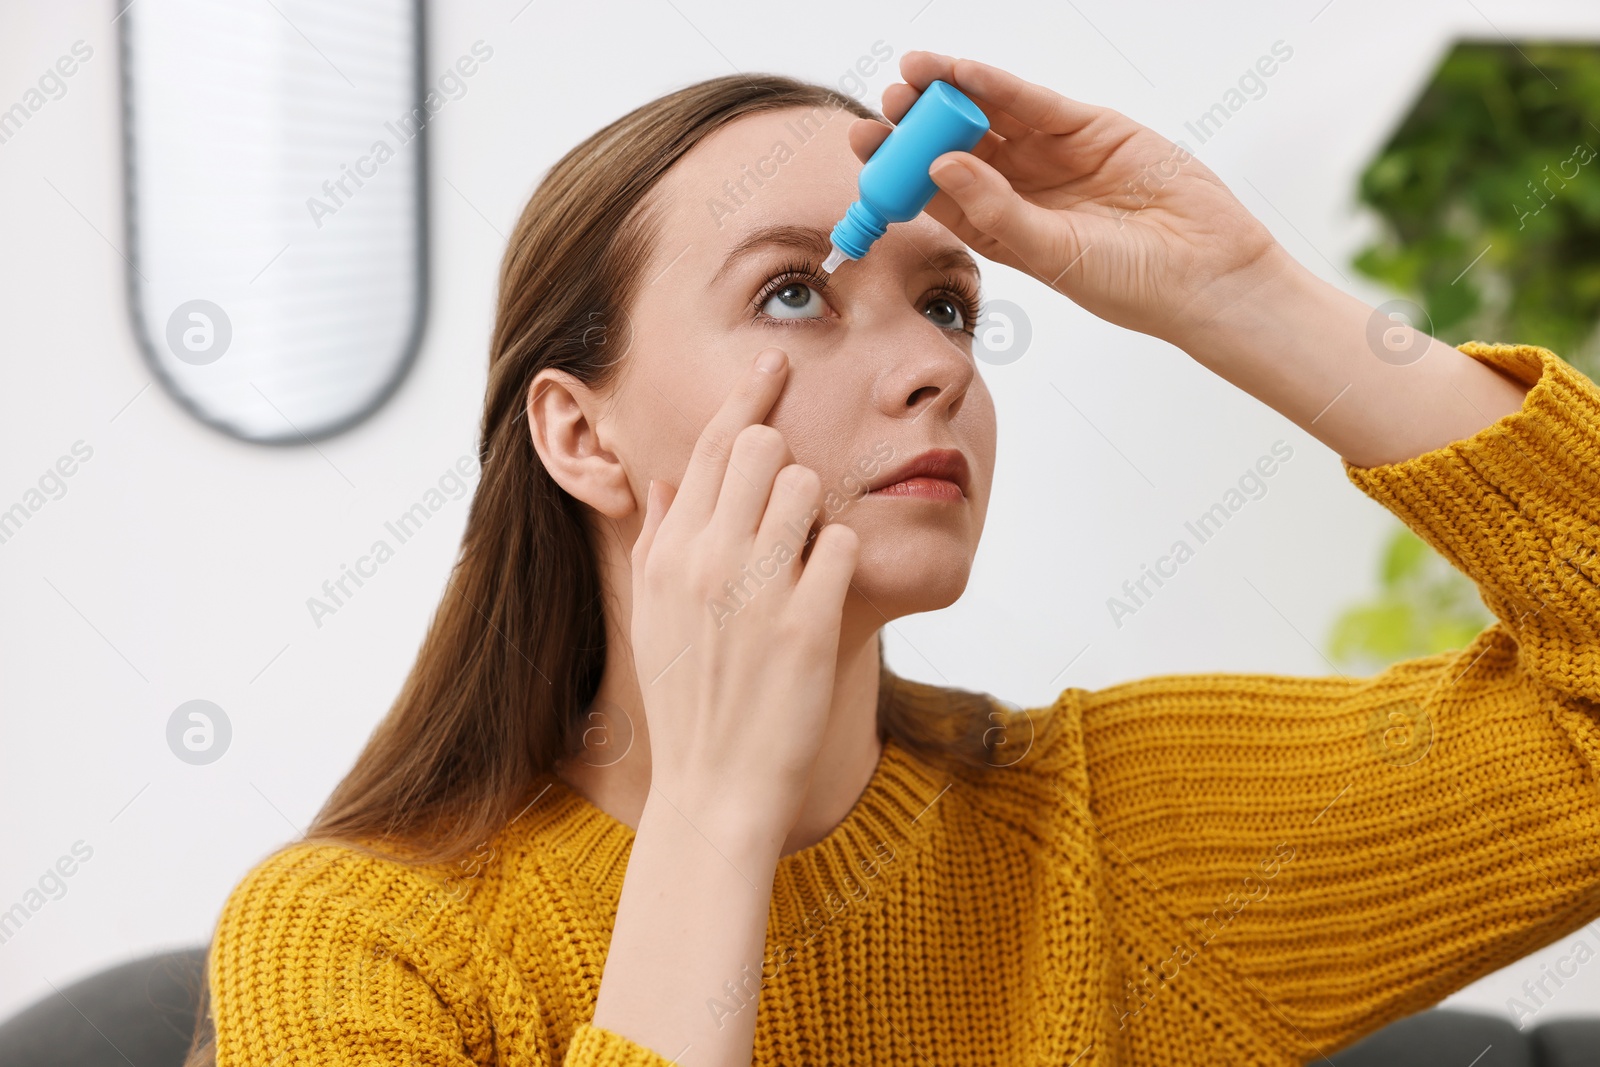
(912, 571)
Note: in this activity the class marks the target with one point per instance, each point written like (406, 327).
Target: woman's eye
(796, 300)
(946, 314)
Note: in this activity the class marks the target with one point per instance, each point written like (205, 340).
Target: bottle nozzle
(836, 257)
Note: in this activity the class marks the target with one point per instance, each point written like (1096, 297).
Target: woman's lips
(936, 474)
(926, 488)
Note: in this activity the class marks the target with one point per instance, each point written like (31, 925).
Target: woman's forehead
(771, 170)
(771, 165)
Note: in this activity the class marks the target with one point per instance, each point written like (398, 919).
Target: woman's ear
(564, 420)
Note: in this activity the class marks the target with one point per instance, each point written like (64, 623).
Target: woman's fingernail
(953, 175)
(770, 360)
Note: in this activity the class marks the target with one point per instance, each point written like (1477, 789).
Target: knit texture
(1197, 868)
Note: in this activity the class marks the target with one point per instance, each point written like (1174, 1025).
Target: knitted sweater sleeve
(1307, 859)
(324, 956)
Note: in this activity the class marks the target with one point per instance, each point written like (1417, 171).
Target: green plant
(1500, 155)
(1488, 199)
(1423, 606)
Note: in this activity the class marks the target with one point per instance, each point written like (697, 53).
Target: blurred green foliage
(1424, 605)
(1494, 156)
(1488, 197)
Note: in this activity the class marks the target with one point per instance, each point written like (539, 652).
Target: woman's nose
(926, 369)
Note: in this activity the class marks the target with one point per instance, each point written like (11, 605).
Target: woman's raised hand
(735, 636)
(1117, 217)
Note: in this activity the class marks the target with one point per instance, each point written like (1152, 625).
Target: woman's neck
(613, 770)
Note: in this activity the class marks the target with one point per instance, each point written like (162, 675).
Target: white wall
(178, 563)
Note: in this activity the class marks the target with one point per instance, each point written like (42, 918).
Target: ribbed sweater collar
(894, 815)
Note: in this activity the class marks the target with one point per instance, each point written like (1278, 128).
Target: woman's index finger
(746, 404)
(1033, 105)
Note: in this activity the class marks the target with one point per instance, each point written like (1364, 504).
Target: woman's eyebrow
(818, 243)
(809, 239)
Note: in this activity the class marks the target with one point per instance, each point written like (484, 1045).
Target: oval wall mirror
(276, 215)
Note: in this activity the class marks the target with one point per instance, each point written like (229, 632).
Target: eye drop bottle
(894, 184)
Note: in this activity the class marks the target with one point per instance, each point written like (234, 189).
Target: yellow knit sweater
(1202, 868)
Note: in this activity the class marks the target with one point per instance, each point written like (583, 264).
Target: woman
(649, 794)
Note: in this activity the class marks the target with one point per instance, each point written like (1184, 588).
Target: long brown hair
(514, 654)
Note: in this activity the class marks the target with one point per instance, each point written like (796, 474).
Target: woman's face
(880, 357)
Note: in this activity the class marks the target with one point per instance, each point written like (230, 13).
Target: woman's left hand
(1121, 220)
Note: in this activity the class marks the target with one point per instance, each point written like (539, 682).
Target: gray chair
(141, 1013)
(1449, 1038)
